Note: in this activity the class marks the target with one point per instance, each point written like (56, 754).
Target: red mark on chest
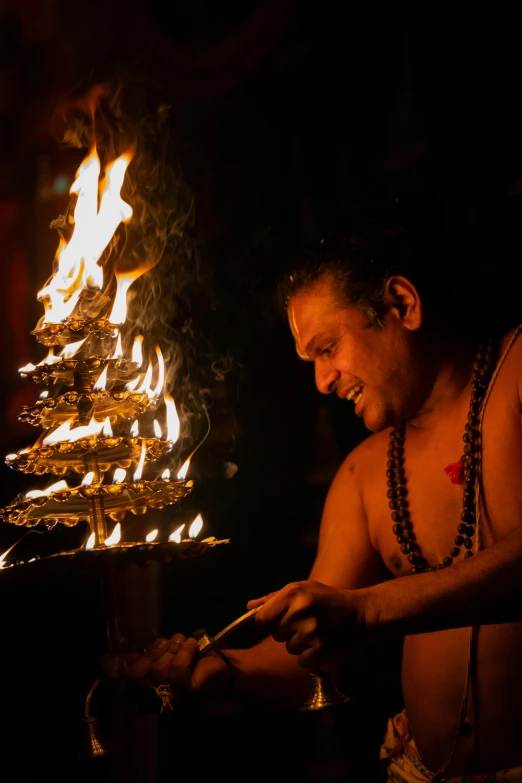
(455, 472)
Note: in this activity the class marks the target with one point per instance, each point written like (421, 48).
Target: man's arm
(267, 672)
(482, 590)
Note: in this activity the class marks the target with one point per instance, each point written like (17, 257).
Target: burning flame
(157, 429)
(196, 526)
(118, 351)
(145, 386)
(176, 535)
(151, 536)
(90, 541)
(132, 384)
(166, 475)
(50, 358)
(139, 469)
(58, 486)
(101, 383)
(182, 473)
(172, 419)
(27, 368)
(70, 350)
(115, 536)
(88, 478)
(76, 262)
(134, 430)
(119, 309)
(107, 429)
(161, 373)
(119, 476)
(137, 350)
(44, 394)
(65, 433)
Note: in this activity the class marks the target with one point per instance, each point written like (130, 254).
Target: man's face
(372, 366)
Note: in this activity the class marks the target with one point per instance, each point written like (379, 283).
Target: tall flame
(119, 476)
(161, 373)
(118, 351)
(137, 350)
(72, 348)
(115, 536)
(139, 469)
(101, 383)
(196, 526)
(90, 541)
(172, 419)
(176, 535)
(76, 262)
(152, 535)
(65, 433)
(182, 472)
(58, 486)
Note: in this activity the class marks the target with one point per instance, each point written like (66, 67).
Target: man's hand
(320, 624)
(171, 662)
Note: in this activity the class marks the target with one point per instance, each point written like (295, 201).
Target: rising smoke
(121, 115)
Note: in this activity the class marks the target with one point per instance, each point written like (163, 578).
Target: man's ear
(402, 299)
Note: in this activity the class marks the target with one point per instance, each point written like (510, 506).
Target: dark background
(283, 116)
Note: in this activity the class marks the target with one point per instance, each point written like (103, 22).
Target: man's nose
(325, 378)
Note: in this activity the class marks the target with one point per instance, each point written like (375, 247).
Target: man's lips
(353, 394)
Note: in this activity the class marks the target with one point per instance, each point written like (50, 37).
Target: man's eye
(327, 351)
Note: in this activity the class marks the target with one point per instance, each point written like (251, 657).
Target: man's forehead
(295, 331)
(310, 314)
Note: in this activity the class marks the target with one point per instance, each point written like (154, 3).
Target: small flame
(172, 419)
(44, 394)
(65, 433)
(151, 536)
(88, 478)
(157, 429)
(119, 476)
(166, 475)
(115, 536)
(139, 469)
(145, 386)
(176, 535)
(28, 368)
(131, 385)
(196, 526)
(76, 262)
(58, 486)
(137, 350)
(90, 541)
(101, 383)
(107, 429)
(161, 373)
(182, 473)
(70, 350)
(50, 358)
(134, 430)
(118, 351)
(119, 309)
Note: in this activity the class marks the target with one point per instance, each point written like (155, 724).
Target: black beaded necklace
(483, 368)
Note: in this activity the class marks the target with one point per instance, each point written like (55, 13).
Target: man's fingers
(186, 653)
(158, 647)
(176, 642)
(255, 602)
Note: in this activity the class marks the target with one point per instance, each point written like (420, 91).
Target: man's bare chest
(435, 502)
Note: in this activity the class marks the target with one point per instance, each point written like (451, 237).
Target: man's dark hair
(366, 249)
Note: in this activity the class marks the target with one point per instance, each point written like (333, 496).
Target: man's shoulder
(368, 451)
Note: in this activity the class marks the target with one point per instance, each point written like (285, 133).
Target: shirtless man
(375, 336)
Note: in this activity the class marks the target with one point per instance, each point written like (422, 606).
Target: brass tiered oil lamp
(106, 418)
